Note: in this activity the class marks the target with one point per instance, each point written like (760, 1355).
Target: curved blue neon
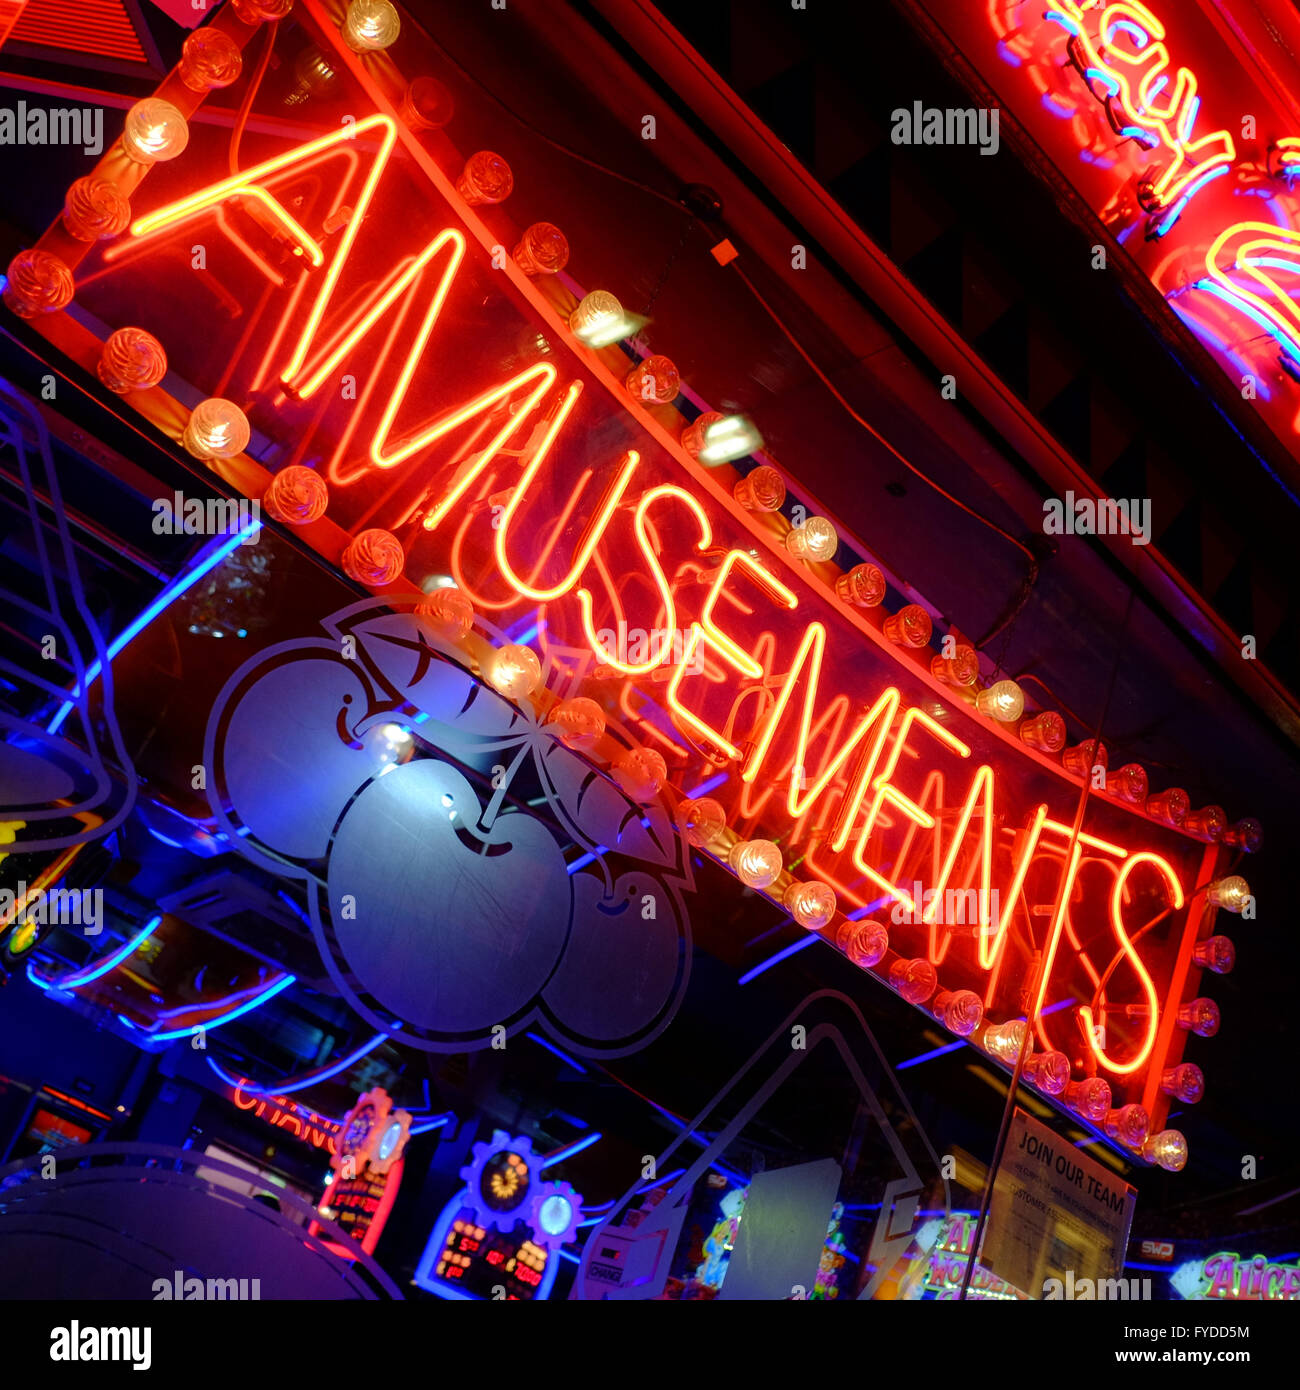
(299, 1083)
(114, 958)
(1140, 36)
(1284, 340)
(576, 1147)
(281, 984)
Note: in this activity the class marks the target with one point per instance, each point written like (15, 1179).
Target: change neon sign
(441, 395)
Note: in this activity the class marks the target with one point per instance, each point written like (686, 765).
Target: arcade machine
(368, 1168)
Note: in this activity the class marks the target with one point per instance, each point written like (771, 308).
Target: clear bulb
(1168, 1149)
(694, 435)
(655, 381)
(448, 612)
(155, 131)
(760, 490)
(862, 587)
(812, 904)
(733, 437)
(514, 670)
(37, 283)
(865, 943)
(959, 1010)
(370, 25)
(131, 360)
(1232, 893)
(1129, 784)
(486, 178)
(1215, 953)
(1004, 1040)
(1186, 1081)
(1089, 1098)
(1170, 806)
(911, 626)
(1246, 834)
(374, 558)
(296, 496)
(210, 58)
(915, 979)
(95, 209)
(579, 721)
(702, 820)
(1083, 757)
(755, 862)
(641, 772)
(1200, 1016)
(427, 105)
(1045, 731)
(1003, 701)
(1048, 1071)
(390, 743)
(598, 319)
(1127, 1126)
(1210, 824)
(217, 429)
(543, 250)
(814, 540)
(960, 669)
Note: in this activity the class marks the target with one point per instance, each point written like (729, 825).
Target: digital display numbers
(479, 1259)
(355, 1202)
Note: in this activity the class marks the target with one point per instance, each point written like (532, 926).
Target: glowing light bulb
(1089, 1098)
(261, 11)
(514, 670)
(296, 496)
(962, 668)
(370, 25)
(1215, 953)
(486, 178)
(909, 627)
(959, 1010)
(1129, 784)
(1048, 1071)
(814, 540)
(702, 820)
(862, 587)
(217, 429)
(1200, 1016)
(95, 209)
(732, 437)
(426, 104)
(693, 437)
(1168, 1149)
(155, 131)
(865, 943)
(1003, 701)
(1186, 1081)
(1045, 731)
(374, 558)
(1246, 834)
(915, 979)
(655, 381)
(1083, 757)
(598, 319)
(314, 77)
(543, 250)
(390, 743)
(812, 904)
(1232, 894)
(1209, 824)
(448, 612)
(210, 58)
(641, 772)
(131, 360)
(762, 490)
(755, 862)
(37, 283)
(1170, 806)
(579, 721)
(1004, 1040)
(1128, 1126)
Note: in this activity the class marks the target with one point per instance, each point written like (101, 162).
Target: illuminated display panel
(440, 395)
(478, 1260)
(368, 1160)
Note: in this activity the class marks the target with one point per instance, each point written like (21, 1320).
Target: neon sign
(843, 768)
(1228, 1276)
(282, 1113)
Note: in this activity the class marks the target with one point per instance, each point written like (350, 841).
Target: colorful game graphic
(367, 1169)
